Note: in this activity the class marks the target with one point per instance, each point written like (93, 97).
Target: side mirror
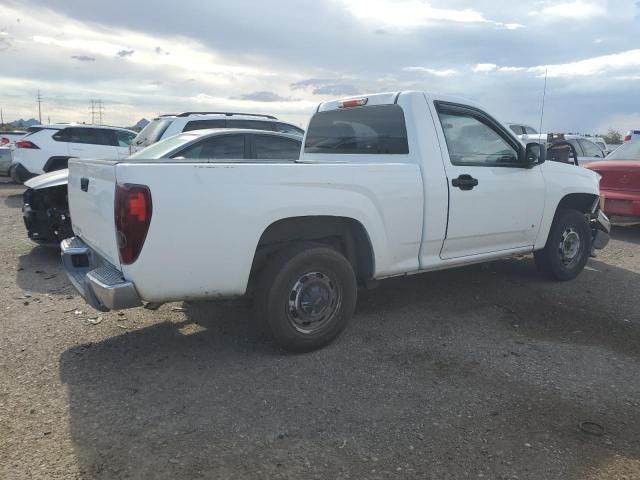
(534, 154)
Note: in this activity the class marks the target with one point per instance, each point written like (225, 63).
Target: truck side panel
(208, 219)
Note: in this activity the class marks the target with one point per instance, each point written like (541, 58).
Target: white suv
(168, 125)
(49, 147)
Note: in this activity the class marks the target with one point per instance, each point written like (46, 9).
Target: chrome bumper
(98, 282)
(601, 230)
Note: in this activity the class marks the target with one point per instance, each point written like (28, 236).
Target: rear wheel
(568, 246)
(306, 296)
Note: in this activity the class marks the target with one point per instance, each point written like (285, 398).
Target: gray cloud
(83, 58)
(355, 57)
(264, 96)
(125, 53)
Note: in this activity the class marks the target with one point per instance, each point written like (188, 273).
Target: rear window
(162, 148)
(152, 132)
(378, 129)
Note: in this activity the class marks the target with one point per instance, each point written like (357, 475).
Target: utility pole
(1, 118)
(39, 107)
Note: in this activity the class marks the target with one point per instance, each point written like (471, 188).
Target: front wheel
(568, 246)
(306, 296)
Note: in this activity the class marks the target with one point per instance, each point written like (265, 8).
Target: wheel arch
(345, 234)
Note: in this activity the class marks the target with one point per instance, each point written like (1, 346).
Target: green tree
(612, 136)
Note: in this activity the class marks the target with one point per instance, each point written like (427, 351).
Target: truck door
(495, 202)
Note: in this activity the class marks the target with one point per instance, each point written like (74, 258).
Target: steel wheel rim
(570, 247)
(314, 301)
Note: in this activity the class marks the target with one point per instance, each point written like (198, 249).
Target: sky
(284, 57)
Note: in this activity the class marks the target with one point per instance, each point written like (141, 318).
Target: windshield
(152, 132)
(626, 151)
(164, 147)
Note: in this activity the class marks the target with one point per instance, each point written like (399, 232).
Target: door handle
(465, 182)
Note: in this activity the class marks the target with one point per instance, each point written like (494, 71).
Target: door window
(273, 147)
(590, 149)
(92, 136)
(529, 130)
(577, 146)
(219, 147)
(472, 141)
(124, 138)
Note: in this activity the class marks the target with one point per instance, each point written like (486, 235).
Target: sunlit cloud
(415, 13)
(578, 9)
(432, 71)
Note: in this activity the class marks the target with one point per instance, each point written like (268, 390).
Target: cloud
(83, 58)
(577, 10)
(125, 53)
(323, 86)
(264, 96)
(485, 67)
(432, 71)
(416, 13)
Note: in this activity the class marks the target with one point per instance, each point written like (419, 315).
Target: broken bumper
(100, 284)
(601, 230)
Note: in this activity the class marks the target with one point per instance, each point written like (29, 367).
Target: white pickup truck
(388, 184)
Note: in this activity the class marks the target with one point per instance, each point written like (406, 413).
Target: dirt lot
(481, 372)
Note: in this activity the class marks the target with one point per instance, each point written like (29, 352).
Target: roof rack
(228, 114)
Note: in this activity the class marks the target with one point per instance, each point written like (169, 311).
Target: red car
(620, 183)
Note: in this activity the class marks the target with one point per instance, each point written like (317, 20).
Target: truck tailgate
(91, 205)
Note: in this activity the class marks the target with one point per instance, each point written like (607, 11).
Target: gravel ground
(480, 372)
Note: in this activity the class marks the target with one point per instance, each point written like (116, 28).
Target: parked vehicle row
(388, 184)
(46, 210)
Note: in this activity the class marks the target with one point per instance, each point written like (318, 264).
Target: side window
(251, 124)
(517, 129)
(590, 149)
(272, 147)
(286, 128)
(124, 138)
(93, 136)
(204, 124)
(63, 135)
(220, 147)
(530, 131)
(470, 141)
(577, 146)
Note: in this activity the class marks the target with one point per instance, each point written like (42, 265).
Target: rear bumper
(21, 174)
(100, 284)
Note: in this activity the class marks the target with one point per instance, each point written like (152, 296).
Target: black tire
(568, 246)
(305, 296)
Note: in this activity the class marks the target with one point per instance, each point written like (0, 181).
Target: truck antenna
(544, 94)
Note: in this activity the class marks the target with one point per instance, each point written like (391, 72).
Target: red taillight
(4, 141)
(355, 102)
(627, 138)
(26, 144)
(132, 217)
